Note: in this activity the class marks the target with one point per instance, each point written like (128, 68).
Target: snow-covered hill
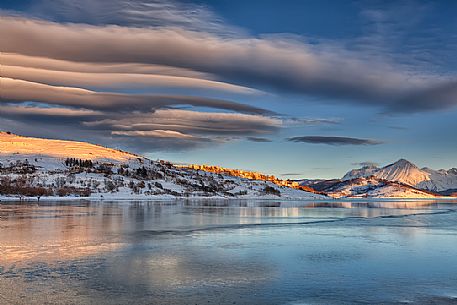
(11, 144)
(406, 172)
(38, 168)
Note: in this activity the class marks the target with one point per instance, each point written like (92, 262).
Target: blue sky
(299, 89)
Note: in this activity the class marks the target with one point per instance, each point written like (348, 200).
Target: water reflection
(56, 232)
(223, 252)
(62, 231)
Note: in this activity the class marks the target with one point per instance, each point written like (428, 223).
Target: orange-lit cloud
(229, 124)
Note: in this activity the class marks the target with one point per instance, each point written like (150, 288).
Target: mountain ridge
(406, 172)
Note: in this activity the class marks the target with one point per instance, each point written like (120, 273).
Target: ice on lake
(229, 252)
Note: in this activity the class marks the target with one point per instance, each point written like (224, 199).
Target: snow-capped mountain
(34, 167)
(370, 187)
(365, 171)
(402, 171)
(406, 172)
(439, 180)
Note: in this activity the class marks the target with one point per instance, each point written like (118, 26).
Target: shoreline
(218, 198)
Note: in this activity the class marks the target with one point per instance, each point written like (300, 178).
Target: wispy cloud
(311, 121)
(333, 140)
(366, 164)
(135, 13)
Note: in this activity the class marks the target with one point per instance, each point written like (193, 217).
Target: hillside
(34, 167)
(249, 175)
(11, 144)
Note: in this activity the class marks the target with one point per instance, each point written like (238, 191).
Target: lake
(228, 252)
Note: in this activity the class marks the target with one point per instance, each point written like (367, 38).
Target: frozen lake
(220, 252)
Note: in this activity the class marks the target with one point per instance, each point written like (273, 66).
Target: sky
(298, 89)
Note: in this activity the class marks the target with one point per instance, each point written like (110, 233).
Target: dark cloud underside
(258, 140)
(333, 140)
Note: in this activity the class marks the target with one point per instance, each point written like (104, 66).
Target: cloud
(28, 111)
(443, 95)
(163, 140)
(397, 127)
(37, 62)
(116, 80)
(366, 164)
(162, 129)
(311, 121)
(67, 68)
(190, 122)
(291, 174)
(333, 140)
(136, 13)
(152, 134)
(269, 63)
(259, 140)
(14, 90)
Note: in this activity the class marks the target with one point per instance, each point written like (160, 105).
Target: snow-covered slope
(11, 144)
(373, 187)
(33, 167)
(406, 172)
(365, 171)
(403, 171)
(439, 180)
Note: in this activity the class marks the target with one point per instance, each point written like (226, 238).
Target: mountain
(406, 172)
(439, 180)
(402, 171)
(365, 171)
(35, 167)
(370, 187)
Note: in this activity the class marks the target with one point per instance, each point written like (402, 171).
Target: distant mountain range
(406, 172)
(399, 179)
(35, 167)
